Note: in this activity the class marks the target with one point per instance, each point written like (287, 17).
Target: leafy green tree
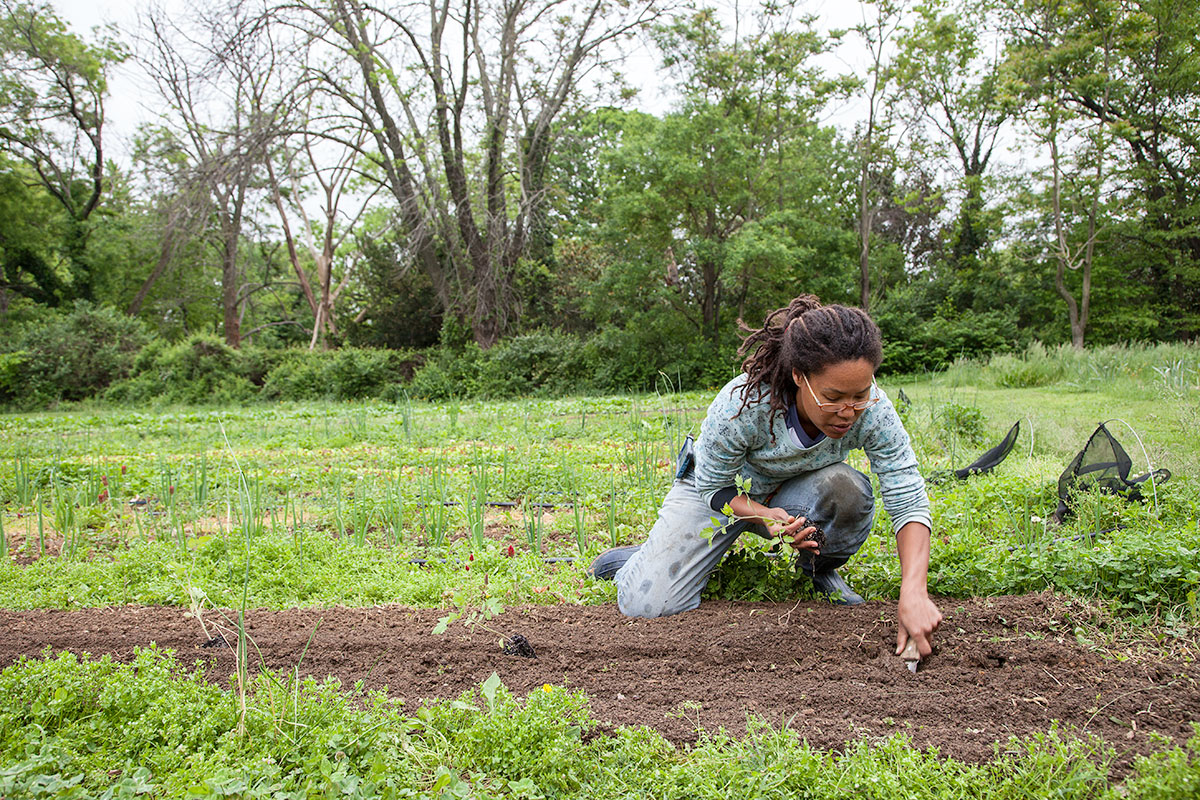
(1041, 50)
(28, 245)
(52, 92)
(742, 148)
(950, 78)
(1130, 68)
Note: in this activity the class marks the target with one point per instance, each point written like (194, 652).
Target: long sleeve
(892, 459)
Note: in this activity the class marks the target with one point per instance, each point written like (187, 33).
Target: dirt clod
(518, 645)
(817, 536)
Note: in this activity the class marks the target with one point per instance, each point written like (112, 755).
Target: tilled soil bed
(1005, 666)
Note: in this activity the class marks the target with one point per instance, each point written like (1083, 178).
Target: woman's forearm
(912, 544)
(745, 508)
(917, 614)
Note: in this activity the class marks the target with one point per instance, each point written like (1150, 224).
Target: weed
(362, 512)
(476, 500)
(612, 514)
(531, 522)
(473, 616)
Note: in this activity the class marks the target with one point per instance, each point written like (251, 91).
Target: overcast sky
(132, 101)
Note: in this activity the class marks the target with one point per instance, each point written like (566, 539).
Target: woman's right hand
(792, 529)
(779, 523)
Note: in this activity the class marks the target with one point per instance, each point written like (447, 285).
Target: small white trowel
(911, 656)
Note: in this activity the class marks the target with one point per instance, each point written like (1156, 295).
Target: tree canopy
(460, 172)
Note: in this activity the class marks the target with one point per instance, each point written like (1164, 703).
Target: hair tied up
(837, 334)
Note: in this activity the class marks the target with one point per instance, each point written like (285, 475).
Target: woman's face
(835, 387)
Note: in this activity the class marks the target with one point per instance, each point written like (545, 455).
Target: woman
(783, 428)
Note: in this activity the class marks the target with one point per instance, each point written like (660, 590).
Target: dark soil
(1003, 667)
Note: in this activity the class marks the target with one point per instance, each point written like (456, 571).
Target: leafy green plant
(963, 421)
(476, 500)
(392, 513)
(435, 513)
(473, 615)
(1035, 367)
(578, 514)
(23, 484)
(362, 511)
(612, 514)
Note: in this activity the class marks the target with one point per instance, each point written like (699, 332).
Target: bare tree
(461, 97)
(876, 33)
(324, 165)
(219, 74)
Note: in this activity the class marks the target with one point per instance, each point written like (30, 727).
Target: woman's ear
(797, 377)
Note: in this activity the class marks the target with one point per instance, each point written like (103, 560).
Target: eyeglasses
(838, 408)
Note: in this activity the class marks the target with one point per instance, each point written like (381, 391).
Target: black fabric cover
(1102, 464)
(985, 463)
(992, 458)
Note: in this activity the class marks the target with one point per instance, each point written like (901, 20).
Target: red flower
(102, 496)
(170, 490)
(471, 557)
(122, 469)
(512, 551)
(104, 479)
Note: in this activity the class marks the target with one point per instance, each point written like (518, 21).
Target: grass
(359, 504)
(340, 503)
(303, 738)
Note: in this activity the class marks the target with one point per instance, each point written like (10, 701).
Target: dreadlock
(807, 337)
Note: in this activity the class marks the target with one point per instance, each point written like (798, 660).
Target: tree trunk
(229, 292)
(164, 258)
(865, 223)
(1062, 254)
(231, 233)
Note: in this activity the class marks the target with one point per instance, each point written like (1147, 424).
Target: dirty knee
(644, 600)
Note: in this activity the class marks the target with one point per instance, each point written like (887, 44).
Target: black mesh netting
(1102, 464)
(992, 458)
(986, 462)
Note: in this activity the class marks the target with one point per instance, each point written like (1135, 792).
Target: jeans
(670, 570)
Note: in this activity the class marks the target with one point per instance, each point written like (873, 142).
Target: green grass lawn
(315, 504)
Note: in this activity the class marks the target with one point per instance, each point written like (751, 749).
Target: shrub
(12, 376)
(916, 343)
(71, 356)
(966, 422)
(447, 372)
(1035, 367)
(202, 369)
(543, 362)
(636, 357)
(347, 374)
